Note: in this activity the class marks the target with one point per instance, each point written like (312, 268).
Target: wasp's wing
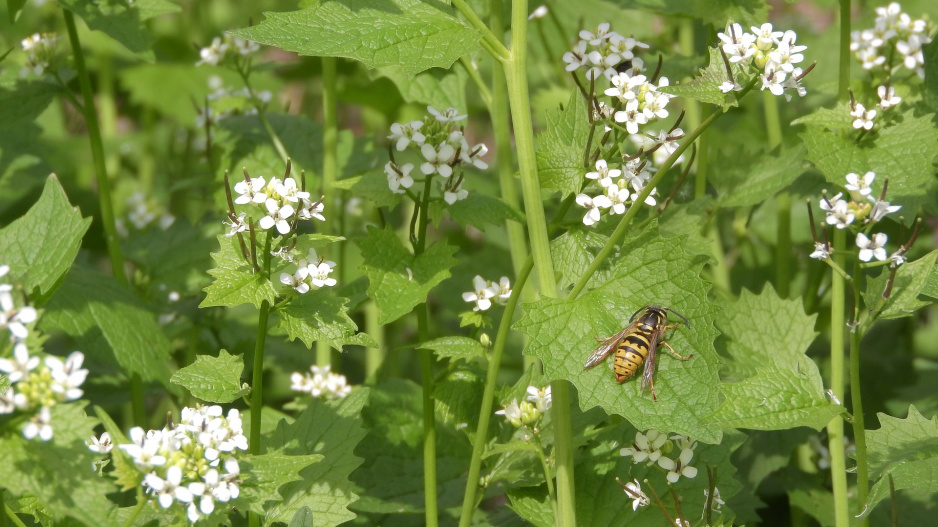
(649, 370)
(605, 348)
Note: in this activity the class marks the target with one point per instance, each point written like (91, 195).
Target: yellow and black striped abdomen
(631, 353)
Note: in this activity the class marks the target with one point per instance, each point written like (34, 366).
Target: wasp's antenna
(680, 315)
(635, 313)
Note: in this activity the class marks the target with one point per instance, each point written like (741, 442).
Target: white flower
(437, 159)
(631, 116)
(577, 57)
(15, 319)
(634, 491)
(603, 173)
(540, 397)
(311, 210)
(862, 118)
(297, 280)
(821, 251)
(480, 294)
(289, 191)
(102, 445)
(250, 192)
(911, 50)
(319, 274)
(639, 185)
(404, 134)
(7, 401)
(22, 363)
(539, 12)
(592, 205)
(895, 260)
(729, 86)
(512, 412)
(646, 447)
(39, 426)
(596, 37)
(455, 193)
(502, 290)
(860, 186)
(245, 47)
(881, 209)
(679, 468)
(787, 54)
(277, 215)
(67, 376)
(838, 212)
(214, 53)
(773, 80)
(872, 248)
(168, 490)
(887, 97)
(715, 504)
(237, 225)
(765, 37)
(474, 157)
(399, 177)
(446, 116)
(619, 197)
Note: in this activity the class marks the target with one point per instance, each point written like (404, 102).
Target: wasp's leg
(652, 383)
(676, 354)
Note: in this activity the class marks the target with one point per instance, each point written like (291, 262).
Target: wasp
(636, 344)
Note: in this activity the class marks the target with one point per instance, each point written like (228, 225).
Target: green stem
(104, 192)
(843, 73)
(330, 168)
(426, 374)
(501, 126)
(374, 357)
(773, 129)
(546, 468)
(257, 383)
(245, 73)
(517, 81)
(835, 429)
(859, 425)
(488, 397)
(493, 43)
(616, 237)
(477, 80)
(11, 514)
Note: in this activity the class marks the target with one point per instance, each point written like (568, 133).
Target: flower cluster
(483, 292)
(443, 149)
(600, 51)
(40, 50)
(311, 272)
(528, 412)
(281, 202)
(140, 214)
(192, 463)
(653, 447)
(771, 54)
(894, 41)
(37, 382)
(619, 188)
(860, 213)
(320, 382)
(227, 46)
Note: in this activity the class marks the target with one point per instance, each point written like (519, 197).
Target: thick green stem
(835, 429)
(773, 130)
(374, 357)
(330, 164)
(11, 515)
(501, 126)
(843, 72)
(426, 375)
(517, 81)
(257, 382)
(104, 192)
(859, 422)
(493, 43)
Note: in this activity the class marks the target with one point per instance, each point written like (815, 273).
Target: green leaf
(906, 449)
(649, 270)
(411, 34)
(819, 503)
(574, 251)
(930, 288)
(930, 87)
(22, 101)
(174, 258)
(57, 472)
(398, 280)
(455, 348)
(213, 379)
(705, 86)
(436, 87)
(123, 21)
(320, 315)
(752, 180)
(779, 386)
(392, 473)
(268, 472)
(373, 186)
(236, 282)
(479, 209)
(40, 246)
(110, 324)
(911, 281)
(332, 429)
(302, 518)
(836, 119)
(902, 151)
(458, 398)
(560, 148)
